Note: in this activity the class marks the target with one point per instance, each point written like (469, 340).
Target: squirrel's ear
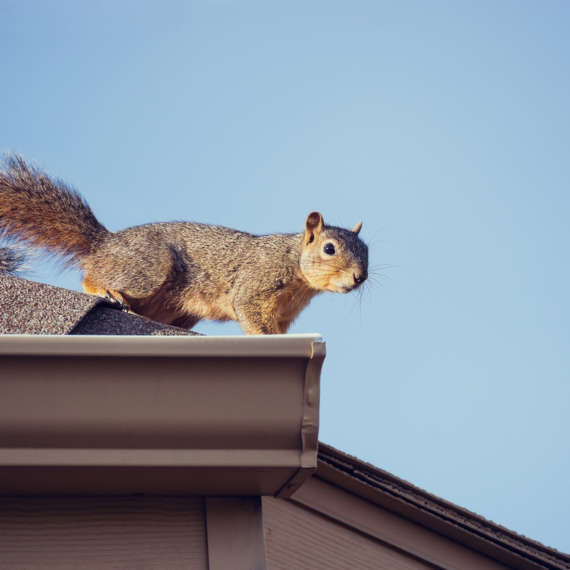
(313, 226)
(356, 229)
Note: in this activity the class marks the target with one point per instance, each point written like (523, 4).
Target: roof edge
(379, 486)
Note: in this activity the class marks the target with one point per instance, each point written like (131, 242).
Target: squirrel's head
(333, 259)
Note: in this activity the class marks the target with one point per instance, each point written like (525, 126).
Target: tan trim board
(449, 520)
(234, 527)
(389, 528)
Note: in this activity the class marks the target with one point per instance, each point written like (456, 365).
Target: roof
(399, 496)
(28, 307)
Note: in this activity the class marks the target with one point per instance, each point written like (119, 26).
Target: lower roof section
(374, 486)
(202, 415)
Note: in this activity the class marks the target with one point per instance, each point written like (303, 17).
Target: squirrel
(178, 273)
(11, 260)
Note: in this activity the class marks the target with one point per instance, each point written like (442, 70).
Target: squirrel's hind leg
(92, 289)
(117, 299)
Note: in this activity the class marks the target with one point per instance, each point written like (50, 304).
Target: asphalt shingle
(28, 307)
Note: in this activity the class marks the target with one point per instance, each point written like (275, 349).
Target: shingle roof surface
(27, 307)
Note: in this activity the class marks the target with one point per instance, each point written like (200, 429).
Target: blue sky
(444, 126)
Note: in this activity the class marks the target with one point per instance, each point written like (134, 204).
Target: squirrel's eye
(329, 249)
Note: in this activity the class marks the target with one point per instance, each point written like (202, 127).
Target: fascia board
(197, 415)
(433, 513)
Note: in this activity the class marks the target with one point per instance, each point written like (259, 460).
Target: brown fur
(11, 260)
(181, 272)
(67, 225)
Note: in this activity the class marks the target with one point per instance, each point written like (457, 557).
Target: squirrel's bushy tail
(11, 260)
(46, 213)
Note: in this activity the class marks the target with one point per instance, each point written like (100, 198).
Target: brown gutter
(200, 415)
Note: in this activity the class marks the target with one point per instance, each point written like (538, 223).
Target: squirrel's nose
(359, 278)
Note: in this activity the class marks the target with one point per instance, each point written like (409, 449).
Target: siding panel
(300, 539)
(62, 533)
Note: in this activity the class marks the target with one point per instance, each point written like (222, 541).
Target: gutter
(160, 415)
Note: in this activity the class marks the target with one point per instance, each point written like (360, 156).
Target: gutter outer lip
(286, 345)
